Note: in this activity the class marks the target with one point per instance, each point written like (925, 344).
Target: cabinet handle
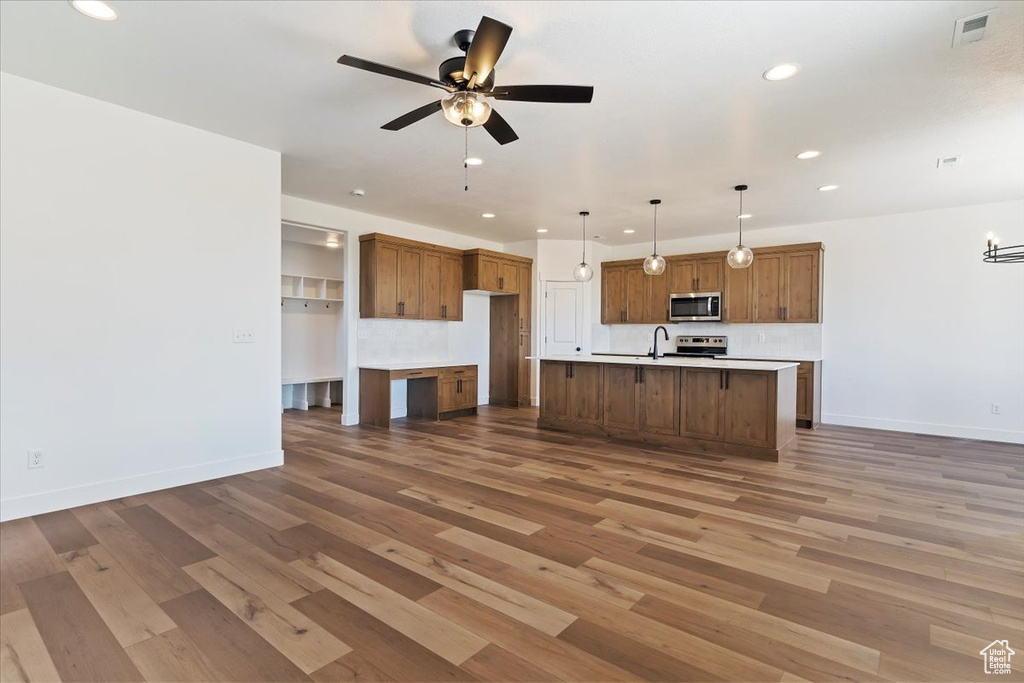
(642, 375)
(780, 313)
(415, 373)
(785, 312)
(567, 371)
(727, 378)
(721, 380)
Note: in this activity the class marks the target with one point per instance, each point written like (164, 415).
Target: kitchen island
(719, 406)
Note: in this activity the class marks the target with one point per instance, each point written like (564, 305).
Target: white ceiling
(680, 110)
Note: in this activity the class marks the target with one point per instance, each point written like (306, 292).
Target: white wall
(392, 341)
(130, 246)
(918, 333)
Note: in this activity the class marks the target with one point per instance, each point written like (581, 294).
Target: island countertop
(674, 361)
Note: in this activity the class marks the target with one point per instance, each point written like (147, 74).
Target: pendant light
(583, 272)
(740, 256)
(655, 263)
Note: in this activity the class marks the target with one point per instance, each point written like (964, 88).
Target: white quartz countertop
(757, 356)
(412, 366)
(675, 361)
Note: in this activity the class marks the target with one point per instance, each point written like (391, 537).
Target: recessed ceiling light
(809, 154)
(745, 215)
(780, 72)
(542, 229)
(95, 9)
(827, 188)
(629, 232)
(487, 215)
(333, 245)
(474, 161)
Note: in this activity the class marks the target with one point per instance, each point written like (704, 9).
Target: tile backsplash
(394, 341)
(780, 340)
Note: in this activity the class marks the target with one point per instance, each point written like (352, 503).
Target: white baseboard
(956, 431)
(62, 499)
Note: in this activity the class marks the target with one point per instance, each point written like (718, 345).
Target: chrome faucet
(662, 328)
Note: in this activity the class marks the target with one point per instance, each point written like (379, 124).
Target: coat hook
(305, 304)
(328, 304)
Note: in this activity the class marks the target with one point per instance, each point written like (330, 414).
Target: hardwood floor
(481, 548)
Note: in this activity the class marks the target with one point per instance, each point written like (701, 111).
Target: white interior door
(563, 317)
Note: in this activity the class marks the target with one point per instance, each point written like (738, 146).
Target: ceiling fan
(469, 82)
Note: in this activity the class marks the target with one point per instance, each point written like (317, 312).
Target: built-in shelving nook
(313, 353)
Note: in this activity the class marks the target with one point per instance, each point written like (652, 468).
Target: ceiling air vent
(971, 29)
(947, 163)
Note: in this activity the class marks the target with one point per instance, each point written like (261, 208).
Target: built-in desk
(435, 391)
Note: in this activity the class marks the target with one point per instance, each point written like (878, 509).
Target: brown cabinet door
(738, 305)
(749, 408)
(702, 404)
(657, 301)
(431, 287)
(525, 296)
(488, 274)
(682, 277)
(447, 395)
(621, 404)
(387, 265)
(659, 400)
(800, 304)
(803, 396)
(768, 284)
(613, 295)
(636, 295)
(451, 287)
(508, 277)
(585, 394)
(525, 374)
(410, 283)
(554, 390)
(467, 392)
(709, 274)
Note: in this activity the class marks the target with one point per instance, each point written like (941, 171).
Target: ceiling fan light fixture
(466, 109)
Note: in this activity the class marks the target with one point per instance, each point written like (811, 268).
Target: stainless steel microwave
(695, 307)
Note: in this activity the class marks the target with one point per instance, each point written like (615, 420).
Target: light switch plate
(243, 335)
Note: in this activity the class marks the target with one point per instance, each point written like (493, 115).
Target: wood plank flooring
(482, 548)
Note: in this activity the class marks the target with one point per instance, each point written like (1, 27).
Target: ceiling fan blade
(499, 129)
(581, 94)
(413, 116)
(488, 42)
(385, 70)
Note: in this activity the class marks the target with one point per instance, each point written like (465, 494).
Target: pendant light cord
(741, 218)
(655, 229)
(584, 239)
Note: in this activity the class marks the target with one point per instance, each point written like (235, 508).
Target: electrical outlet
(243, 335)
(997, 409)
(760, 337)
(35, 458)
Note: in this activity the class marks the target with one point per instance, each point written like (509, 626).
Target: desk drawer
(414, 374)
(458, 372)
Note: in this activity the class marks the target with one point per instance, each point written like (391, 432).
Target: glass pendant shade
(583, 272)
(740, 257)
(654, 264)
(466, 109)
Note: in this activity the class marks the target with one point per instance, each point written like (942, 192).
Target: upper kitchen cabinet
(525, 292)
(626, 293)
(492, 271)
(400, 278)
(786, 284)
(782, 285)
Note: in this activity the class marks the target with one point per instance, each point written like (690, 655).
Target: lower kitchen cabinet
(700, 414)
(456, 389)
(571, 391)
(808, 394)
(659, 400)
(743, 412)
(621, 401)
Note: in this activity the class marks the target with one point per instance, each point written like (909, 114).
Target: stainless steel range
(700, 347)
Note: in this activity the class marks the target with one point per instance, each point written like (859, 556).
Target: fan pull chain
(465, 157)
